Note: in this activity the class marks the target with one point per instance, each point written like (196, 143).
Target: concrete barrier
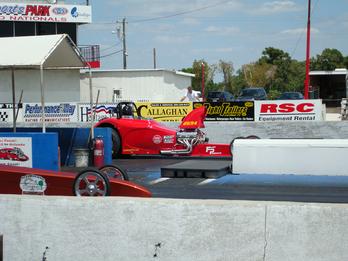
(71, 228)
(224, 132)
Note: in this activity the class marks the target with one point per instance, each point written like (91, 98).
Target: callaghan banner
(164, 111)
(289, 110)
(228, 111)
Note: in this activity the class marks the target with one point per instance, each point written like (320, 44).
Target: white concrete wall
(151, 85)
(167, 229)
(60, 85)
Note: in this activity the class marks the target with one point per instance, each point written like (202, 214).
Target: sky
(236, 31)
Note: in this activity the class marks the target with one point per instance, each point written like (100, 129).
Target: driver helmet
(127, 110)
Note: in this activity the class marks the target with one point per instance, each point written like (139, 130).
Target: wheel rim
(90, 184)
(112, 172)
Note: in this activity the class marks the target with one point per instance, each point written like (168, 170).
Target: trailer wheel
(91, 182)
(113, 171)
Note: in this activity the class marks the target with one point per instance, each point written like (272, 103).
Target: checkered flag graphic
(3, 116)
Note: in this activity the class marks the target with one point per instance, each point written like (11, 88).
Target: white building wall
(60, 85)
(152, 85)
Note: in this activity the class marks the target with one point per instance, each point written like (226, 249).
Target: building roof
(32, 52)
(143, 70)
(335, 72)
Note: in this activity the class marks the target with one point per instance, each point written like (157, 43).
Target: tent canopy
(46, 51)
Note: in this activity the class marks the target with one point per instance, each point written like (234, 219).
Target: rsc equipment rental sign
(288, 110)
(228, 111)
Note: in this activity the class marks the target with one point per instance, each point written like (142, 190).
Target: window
(45, 28)
(6, 29)
(24, 28)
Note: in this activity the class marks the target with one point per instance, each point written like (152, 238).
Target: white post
(42, 99)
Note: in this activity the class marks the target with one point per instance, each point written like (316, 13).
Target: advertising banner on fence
(164, 111)
(101, 111)
(6, 113)
(54, 112)
(228, 111)
(16, 151)
(288, 110)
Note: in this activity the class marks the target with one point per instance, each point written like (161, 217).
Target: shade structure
(42, 52)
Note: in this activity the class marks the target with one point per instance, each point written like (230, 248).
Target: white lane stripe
(158, 181)
(206, 181)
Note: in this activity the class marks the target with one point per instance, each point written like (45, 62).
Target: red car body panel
(61, 183)
(149, 137)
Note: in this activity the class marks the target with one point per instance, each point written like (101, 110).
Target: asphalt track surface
(147, 172)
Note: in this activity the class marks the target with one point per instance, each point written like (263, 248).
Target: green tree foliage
(209, 72)
(276, 71)
(328, 60)
(226, 68)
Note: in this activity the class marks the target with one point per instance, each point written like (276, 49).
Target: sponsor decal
(228, 111)
(189, 123)
(164, 111)
(32, 184)
(211, 150)
(294, 110)
(60, 10)
(168, 139)
(157, 139)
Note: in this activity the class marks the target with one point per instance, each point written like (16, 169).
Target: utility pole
(154, 58)
(124, 43)
(306, 87)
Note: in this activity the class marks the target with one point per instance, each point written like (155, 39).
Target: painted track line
(156, 181)
(206, 181)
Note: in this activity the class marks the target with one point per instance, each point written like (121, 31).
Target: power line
(301, 35)
(110, 47)
(107, 55)
(180, 13)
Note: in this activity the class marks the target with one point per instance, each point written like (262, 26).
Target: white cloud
(157, 8)
(299, 31)
(222, 30)
(190, 21)
(275, 7)
(166, 39)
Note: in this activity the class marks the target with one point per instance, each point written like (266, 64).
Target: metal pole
(203, 83)
(124, 43)
(13, 99)
(42, 100)
(1, 247)
(19, 102)
(154, 58)
(91, 102)
(306, 89)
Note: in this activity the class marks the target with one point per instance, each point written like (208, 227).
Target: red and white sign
(20, 12)
(16, 151)
(288, 110)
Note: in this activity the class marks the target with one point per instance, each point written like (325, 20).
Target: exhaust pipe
(188, 149)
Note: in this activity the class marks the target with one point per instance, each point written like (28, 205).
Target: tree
(259, 74)
(328, 60)
(226, 68)
(209, 72)
(273, 55)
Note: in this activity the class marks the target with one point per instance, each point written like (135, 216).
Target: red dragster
(13, 154)
(88, 182)
(134, 135)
